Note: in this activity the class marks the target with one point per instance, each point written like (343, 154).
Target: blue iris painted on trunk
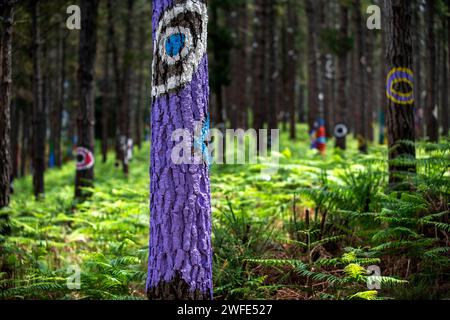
(174, 44)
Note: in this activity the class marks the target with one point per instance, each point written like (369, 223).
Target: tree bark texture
(38, 117)
(7, 11)
(180, 254)
(341, 112)
(431, 113)
(400, 111)
(86, 112)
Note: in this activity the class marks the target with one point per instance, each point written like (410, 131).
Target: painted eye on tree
(179, 46)
(340, 130)
(400, 86)
(85, 158)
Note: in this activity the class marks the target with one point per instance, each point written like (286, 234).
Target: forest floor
(311, 231)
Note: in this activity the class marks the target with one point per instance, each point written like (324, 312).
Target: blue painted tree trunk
(180, 254)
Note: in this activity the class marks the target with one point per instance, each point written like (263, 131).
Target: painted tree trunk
(399, 88)
(124, 111)
(341, 126)
(38, 117)
(86, 114)
(180, 254)
(7, 14)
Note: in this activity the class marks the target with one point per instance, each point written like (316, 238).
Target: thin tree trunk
(86, 114)
(139, 116)
(400, 113)
(273, 78)
(38, 107)
(419, 113)
(15, 135)
(259, 61)
(117, 75)
(361, 104)
(106, 101)
(341, 113)
(432, 108)
(291, 67)
(25, 141)
(180, 257)
(124, 114)
(445, 116)
(60, 101)
(313, 58)
(7, 14)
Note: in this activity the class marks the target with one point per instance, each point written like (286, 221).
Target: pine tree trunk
(341, 112)
(25, 140)
(431, 109)
(259, 67)
(39, 130)
(180, 256)
(124, 114)
(86, 76)
(272, 75)
(15, 135)
(417, 58)
(117, 76)
(400, 111)
(106, 101)
(139, 116)
(291, 67)
(361, 102)
(445, 112)
(313, 90)
(7, 15)
(60, 101)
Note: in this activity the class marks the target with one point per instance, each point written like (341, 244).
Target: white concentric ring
(191, 57)
(340, 130)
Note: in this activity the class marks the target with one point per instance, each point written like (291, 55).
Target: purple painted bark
(180, 254)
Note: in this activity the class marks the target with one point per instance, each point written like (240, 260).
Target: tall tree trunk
(432, 108)
(291, 67)
(273, 78)
(448, 80)
(341, 129)
(59, 102)
(15, 136)
(25, 140)
(445, 112)
(106, 101)
(370, 84)
(39, 129)
(313, 65)
(361, 104)
(7, 14)
(180, 257)
(259, 65)
(124, 114)
(139, 115)
(117, 75)
(86, 114)
(400, 112)
(417, 58)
